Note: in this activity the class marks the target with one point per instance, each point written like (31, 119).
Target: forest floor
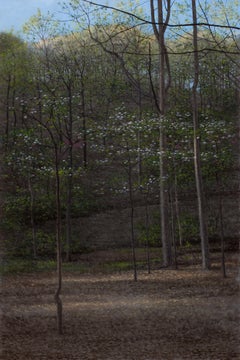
(166, 315)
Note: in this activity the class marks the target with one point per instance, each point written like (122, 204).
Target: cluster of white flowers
(102, 161)
(45, 170)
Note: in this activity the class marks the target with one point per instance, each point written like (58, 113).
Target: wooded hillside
(80, 122)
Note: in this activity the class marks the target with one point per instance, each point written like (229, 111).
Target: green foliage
(17, 209)
(68, 85)
(84, 203)
(190, 228)
(150, 234)
(45, 243)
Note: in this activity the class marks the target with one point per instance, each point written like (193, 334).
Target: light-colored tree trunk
(202, 213)
(159, 31)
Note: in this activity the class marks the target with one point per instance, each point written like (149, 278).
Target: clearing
(168, 314)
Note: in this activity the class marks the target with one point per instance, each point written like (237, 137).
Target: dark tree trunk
(147, 235)
(130, 184)
(57, 297)
(33, 226)
(69, 180)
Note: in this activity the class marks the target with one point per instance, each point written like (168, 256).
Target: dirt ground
(169, 315)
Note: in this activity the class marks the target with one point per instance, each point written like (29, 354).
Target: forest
(120, 158)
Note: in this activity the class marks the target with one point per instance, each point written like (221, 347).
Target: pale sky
(15, 13)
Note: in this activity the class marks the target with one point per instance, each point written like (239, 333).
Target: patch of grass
(121, 262)
(18, 265)
(117, 266)
(75, 267)
(139, 250)
(15, 266)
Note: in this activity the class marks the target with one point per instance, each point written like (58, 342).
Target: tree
(124, 130)
(196, 142)
(74, 84)
(48, 118)
(160, 28)
(14, 60)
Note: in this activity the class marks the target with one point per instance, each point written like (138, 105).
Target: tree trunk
(177, 209)
(7, 112)
(68, 209)
(132, 215)
(69, 180)
(164, 205)
(84, 126)
(32, 217)
(223, 265)
(196, 140)
(133, 244)
(147, 234)
(173, 226)
(57, 298)
(221, 223)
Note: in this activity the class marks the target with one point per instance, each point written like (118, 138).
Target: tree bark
(57, 298)
(159, 32)
(69, 180)
(202, 213)
(68, 209)
(31, 192)
(132, 216)
(147, 234)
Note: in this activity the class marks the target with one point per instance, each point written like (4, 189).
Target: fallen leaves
(175, 315)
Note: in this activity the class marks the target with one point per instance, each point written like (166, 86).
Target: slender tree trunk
(164, 205)
(223, 265)
(85, 152)
(7, 112)
(13, 105)
(57, 297)
(84, 127)
(173, 229)
(69, 182)
(159, 31)
(68, 209)
(196, 140)
(221, 223)
(132, 216)
(133, 244)
(147, 234)
(139, 138)
(177, 209)
(55, 142)
(32, 217)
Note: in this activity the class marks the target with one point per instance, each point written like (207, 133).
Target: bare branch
(154, 23)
